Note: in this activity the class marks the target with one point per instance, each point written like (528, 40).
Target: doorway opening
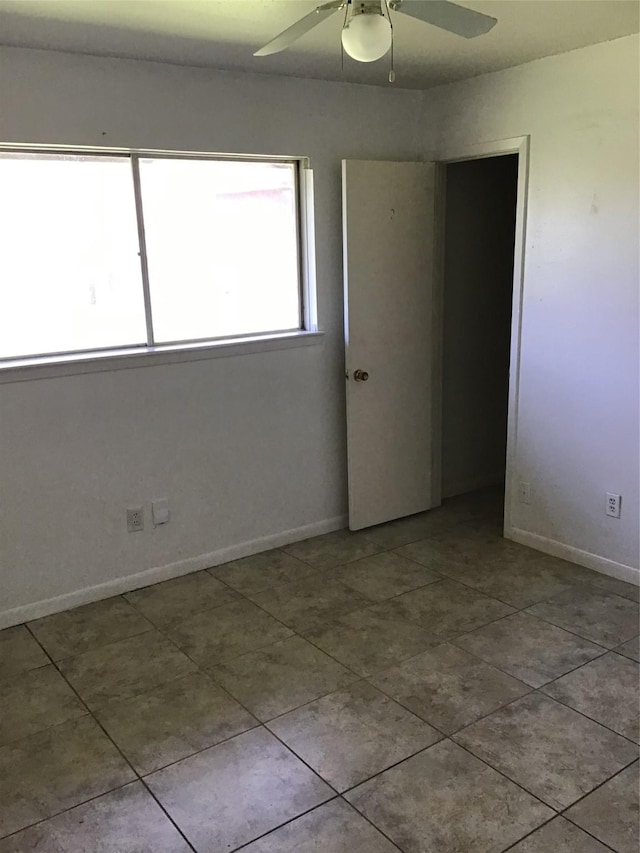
(478, 275)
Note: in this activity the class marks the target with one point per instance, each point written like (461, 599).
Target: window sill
(25, 369)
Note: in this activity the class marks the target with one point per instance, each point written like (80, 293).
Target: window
(112, 251)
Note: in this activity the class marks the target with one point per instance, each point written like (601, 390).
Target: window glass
(69, 265)
(222, 247)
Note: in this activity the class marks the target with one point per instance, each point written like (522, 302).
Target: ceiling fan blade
(294, 32)
(447, 16)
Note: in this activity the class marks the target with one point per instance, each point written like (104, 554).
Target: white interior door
(389, 263)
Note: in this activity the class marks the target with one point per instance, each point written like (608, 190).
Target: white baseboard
(575, 555)
(117, 586)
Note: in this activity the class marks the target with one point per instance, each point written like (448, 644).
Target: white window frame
(149, 354)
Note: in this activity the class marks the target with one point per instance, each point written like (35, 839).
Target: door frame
(446, 154)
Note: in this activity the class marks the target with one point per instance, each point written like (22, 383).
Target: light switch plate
(160, 511)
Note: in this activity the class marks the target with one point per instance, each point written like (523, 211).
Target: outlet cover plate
(135, 519)
(613, 505)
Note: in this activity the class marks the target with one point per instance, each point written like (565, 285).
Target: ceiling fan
(367, 33)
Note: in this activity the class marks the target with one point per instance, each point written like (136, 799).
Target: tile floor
(424, 686)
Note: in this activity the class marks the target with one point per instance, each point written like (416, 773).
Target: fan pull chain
(344, 24)
(392, 73)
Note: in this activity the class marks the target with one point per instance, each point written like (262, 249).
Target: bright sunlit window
(112, 251)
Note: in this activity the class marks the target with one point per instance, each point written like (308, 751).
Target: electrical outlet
(135, 519)
(613, 505)
(524, 492)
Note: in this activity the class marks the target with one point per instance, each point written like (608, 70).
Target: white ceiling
(225, 33)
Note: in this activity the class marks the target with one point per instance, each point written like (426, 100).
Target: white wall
(478, 282)
(244, 447)
(578, 414)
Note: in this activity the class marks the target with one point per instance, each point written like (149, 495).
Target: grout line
(530, 833)
(27, 626)
(371, 823)
(506, 672)
(311, 642)
(561, 628)
(204, 667)
(173, 622)
(296, 633)
(42, 821)
(285, 823)
(97, 722)
(526, 611)
(395, 764)
(467, 725)
(259, 725)
(126, 760)
(542, 825)
(597, 788)
(168, 816)
(101, 646)
(582, 713)
(489, 714)
(503, 772)
(308, 702)
(301, 759)
(504, 775)
(138, 777)
(268, 731)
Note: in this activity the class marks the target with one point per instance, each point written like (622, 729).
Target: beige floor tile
(612, 813)
(559, 836)
(332, 549)
(607, 690)
(521, 581)
(459, 547)
(126, 668)
(549, 749)
(424, 609)
(352, 734)
(19, 652)
(56, 769)
(630, 649)
(373, 639)
(403, 531)
(528, 648)
(173, 721)
(626, 590)
(332, 828)
(447, 608)
(448, 687)
(127, 820)
(283, 676)
(91, 626)
(597, 615)
(384, 575)
(237, 791)
(178, 599)
(262, 571)
(36, 700)
(310, 603)
(446, 800)
(229, 631)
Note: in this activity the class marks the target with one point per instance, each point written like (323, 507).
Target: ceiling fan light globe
(367, 37)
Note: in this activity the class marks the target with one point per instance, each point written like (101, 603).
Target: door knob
(360, 375)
